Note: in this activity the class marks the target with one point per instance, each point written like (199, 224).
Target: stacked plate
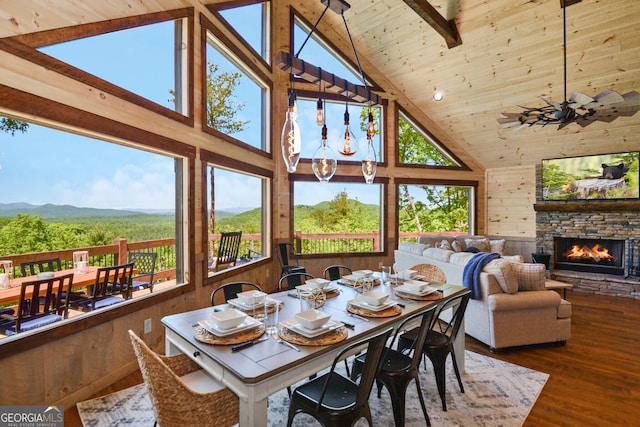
(415, 287)
(225, 323)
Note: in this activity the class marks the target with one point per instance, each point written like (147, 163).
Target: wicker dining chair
(431, 273)
(181, 393)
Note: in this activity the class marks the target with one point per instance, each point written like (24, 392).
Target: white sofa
(514, 309)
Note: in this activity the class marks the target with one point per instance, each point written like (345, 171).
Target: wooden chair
(232, 289)
(431, 273)
(398, 368)
(145, 264)
(293, 280)
(336, 400)
(334, 272)
(288, 259)
(183, 394)
(31, 268)
(41, 303)
(228, 249)
(439, 342)
(112, 286)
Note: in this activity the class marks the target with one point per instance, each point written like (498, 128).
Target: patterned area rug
(496, 394)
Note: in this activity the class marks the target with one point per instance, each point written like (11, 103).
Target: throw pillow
(457, 246)
(513, 258)
(503, 272)
(497, 246)
(460, 258)
(530, 276)
(481, 243)
(444, 244)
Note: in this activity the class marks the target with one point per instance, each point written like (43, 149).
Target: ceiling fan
(580, 108)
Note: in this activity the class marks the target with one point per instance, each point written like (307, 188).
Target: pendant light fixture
(348, 146)
(324, 164)
(370, 165)
(290, 139)
(320, 105)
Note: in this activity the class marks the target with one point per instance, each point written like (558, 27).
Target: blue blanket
(471, 273)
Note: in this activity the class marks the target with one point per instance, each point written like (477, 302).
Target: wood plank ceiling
(511, 54)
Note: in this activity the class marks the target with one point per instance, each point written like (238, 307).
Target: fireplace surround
(589, 255)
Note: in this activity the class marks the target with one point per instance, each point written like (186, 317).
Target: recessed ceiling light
(438, 95)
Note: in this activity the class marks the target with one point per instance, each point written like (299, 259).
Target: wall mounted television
(597, 177)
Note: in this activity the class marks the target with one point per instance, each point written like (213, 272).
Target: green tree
(24, 234)
(12, 126)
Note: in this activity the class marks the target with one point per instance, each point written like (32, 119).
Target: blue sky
(91, 173)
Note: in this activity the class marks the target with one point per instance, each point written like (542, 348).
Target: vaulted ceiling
(511, 54)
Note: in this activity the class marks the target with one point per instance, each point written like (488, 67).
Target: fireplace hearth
(589, 255)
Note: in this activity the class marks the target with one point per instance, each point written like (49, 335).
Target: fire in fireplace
(589, 255)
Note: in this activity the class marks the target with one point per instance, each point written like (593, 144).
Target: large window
(430, 207)
(338, 217)
(237, 201)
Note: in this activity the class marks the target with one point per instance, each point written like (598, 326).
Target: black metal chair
(31, 268)
(112, 286)
(440, 339)
(293, 280)
(334, 272)
(41, 303)
(232, 289)
(336, 400)
(398, 368)
(145, 264)
(228, 249)
(288, 259)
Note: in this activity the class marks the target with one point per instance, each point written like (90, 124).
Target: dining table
(257, 371)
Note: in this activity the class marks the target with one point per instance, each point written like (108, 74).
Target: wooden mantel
(588, 206)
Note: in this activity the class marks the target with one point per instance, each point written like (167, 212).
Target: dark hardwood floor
(594, 378)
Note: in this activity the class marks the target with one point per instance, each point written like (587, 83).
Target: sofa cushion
(501, 269)
(481, 243)
(460, 258)
(412, 248)
(530, 276)
(457, 246)
(497, 246)
(438, 254)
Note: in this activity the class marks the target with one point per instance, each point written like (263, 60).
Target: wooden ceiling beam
(446, 29)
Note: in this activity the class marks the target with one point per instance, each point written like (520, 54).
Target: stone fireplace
(586, 224)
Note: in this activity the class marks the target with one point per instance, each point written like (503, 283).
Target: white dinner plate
(366, 306)
(209, 325)
(237, 302)
(426, 291)
(296, 327)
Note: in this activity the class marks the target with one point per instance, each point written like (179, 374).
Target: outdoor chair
(232, 289)
(336, 400)
(183, 394)
(430, 272)
(112, 286)
(31, 268)
(398, 368)
(41, 303)
(145, 264)
(288, 259)
(335, 272)
(228, 249)
(293, 280)
(440, 339)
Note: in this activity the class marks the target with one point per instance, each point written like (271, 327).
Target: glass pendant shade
(349, 145)
(290, 140)
(324, 164)
(370, 165)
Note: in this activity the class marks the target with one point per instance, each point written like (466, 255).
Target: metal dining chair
(31, 268)
(293, 280)
(336, 271)
(145, 264)
(335, 400)
(232, 289)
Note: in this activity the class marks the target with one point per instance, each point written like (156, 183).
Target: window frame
(209, 158)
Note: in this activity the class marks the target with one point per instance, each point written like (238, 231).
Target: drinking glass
(386, 274)
(260, 311)
(271, 321)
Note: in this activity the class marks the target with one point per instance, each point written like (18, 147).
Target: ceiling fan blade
(554, 104)
(509, 120)
(578, 100)
(630, 106)
(604, 99)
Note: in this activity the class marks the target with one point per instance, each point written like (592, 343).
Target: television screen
(599, 177)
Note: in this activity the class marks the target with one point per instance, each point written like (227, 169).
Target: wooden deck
(594, 379)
